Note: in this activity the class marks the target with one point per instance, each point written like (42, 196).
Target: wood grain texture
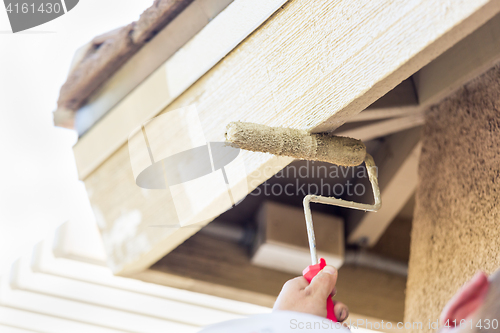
(312, 66)
(170, 80)
(151, 56)
(289, 63)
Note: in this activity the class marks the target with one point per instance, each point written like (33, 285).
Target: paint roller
(300, 144)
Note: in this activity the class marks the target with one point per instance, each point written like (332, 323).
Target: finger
(295, 284)
(341, 311)
(323, 284)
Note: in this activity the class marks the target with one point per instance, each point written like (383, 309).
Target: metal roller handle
(372, 176)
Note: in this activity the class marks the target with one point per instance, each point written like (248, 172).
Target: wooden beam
(403, 95)
(398, 180)
(151, 56)
(378, 114)
(167, 82)
(400, 101)
(464, 61)
(383, 128)
(469, 58)
(313, 66)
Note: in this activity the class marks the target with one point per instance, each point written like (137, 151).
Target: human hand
(300, 296)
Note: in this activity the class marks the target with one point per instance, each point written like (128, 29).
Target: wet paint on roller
(296, 143)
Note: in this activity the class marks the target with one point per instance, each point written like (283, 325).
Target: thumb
(323, 284)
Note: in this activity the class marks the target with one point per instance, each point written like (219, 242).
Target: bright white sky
(39, 188)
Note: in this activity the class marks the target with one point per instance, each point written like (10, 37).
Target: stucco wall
(456, 227)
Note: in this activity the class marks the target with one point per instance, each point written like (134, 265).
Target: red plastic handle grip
(310, 272)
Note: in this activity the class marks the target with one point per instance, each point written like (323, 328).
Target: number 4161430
(485, 323)
(25, 8)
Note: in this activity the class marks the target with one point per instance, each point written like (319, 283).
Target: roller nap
(296, 143)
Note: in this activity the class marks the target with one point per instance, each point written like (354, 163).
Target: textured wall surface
(456, 227)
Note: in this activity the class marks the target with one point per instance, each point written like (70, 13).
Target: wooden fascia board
(151, 56)
(313, 65)
(219, 37)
